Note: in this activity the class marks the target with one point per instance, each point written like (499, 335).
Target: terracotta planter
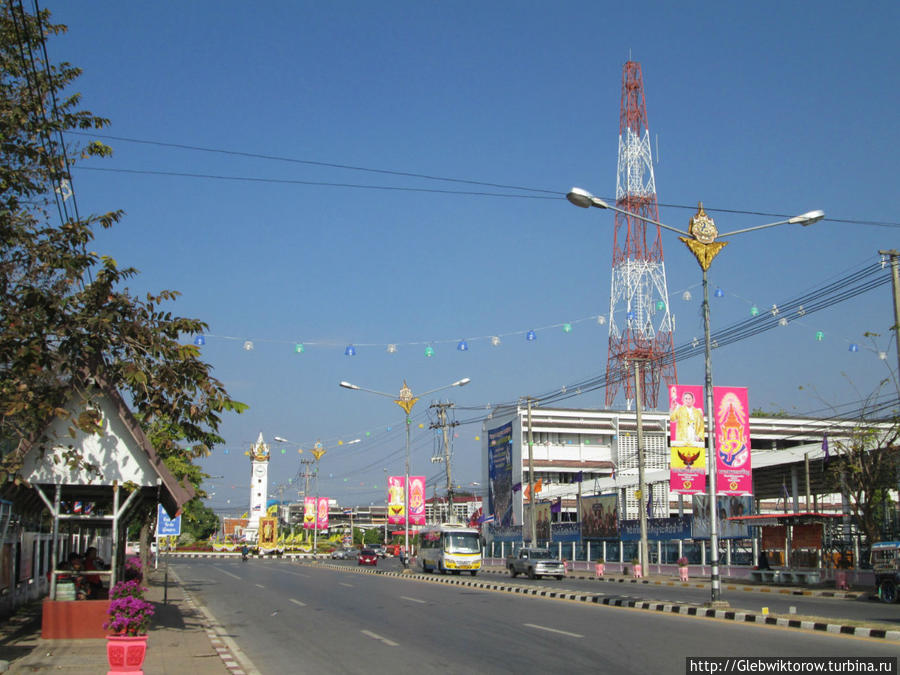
(125, 654)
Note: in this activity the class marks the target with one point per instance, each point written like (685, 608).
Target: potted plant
(636, 569)
(683, 568)
(599, 566)
(129, 619)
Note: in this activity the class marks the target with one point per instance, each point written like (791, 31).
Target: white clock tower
(259, 484)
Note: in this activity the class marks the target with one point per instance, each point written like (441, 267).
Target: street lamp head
(584, 199)
(461, 383)
(347, 385)
(808, 218)
(281, 440)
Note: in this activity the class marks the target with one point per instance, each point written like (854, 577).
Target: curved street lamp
(701, 240)
(406, 400)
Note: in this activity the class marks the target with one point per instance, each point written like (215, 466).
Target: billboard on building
(687, 468)
(732, 413)
(727, 507)
(600, 517)
(500, 475)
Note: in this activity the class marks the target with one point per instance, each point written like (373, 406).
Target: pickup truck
(535, 562)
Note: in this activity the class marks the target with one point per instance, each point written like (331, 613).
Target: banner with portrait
(687, 435)
(309, 513)
(732, 414)
(726, 508)
(600, 517)
(268, 532)
(396, 500)
(500, 475)
(417, 500)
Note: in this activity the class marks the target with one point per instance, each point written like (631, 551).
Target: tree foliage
(65, 312)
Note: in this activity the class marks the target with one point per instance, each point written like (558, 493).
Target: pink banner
(309, 512)
(322, 514)
(417, 500)
(732, 413)
(687, 470)
(396, 500)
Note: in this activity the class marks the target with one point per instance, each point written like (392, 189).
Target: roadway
(304, 618)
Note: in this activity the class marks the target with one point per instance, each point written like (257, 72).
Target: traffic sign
(165, 526)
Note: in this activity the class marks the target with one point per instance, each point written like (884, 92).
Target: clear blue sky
(758, 107)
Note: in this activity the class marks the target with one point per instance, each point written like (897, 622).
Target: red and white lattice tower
(640, 325)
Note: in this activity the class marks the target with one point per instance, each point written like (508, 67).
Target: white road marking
(553, 630)
(404, 597)
(228, 573)
(375, 636)
(297, 602)
(260, 586)
(347, 585)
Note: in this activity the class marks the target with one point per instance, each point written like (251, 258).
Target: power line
(548, 194)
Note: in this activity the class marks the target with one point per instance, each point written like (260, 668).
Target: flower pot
(683, 573)
(637, 570)
(599, 568)
(126, 653)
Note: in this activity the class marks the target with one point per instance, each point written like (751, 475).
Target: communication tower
(640, 324)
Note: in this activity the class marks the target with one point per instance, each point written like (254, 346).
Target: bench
(765, 576)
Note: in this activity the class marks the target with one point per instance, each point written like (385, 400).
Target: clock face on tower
(259, 470)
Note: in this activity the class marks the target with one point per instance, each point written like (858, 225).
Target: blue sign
(565, 532)
(165, 526)
(661, 529)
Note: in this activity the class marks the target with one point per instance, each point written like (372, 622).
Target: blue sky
(764, 107)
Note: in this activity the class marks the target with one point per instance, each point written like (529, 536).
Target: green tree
(66, 314)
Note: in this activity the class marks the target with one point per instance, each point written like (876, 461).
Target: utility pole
(642, 488)
(528, 399)
(444, 426)
(895, 274)
(306, 475)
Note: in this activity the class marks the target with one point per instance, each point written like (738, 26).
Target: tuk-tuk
(886, 566)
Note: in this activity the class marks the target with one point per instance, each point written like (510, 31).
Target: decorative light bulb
(820, 336)
(495, 341)
(531, 336)
(854, 347)
(248, 345)
(660, 305)
(429, 351)
(754, 310)
(686, 296)
(601, 320)
(567, 328)
(350, 351)
(463, 346)
(299, 348)
(392, 349)
(199, 340)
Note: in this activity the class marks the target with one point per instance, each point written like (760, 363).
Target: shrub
(129, 614)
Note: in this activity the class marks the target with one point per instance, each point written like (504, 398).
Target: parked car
(886, 566)
(367, 557)
(342, 554)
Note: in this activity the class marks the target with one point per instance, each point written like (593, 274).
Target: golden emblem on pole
(406, 399)
(703, 244)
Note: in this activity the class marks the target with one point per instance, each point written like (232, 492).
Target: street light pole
(701, 240)
(406, 400)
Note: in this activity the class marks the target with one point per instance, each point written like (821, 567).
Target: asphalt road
(304, 618)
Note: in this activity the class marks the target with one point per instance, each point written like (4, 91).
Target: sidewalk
(179, 641)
